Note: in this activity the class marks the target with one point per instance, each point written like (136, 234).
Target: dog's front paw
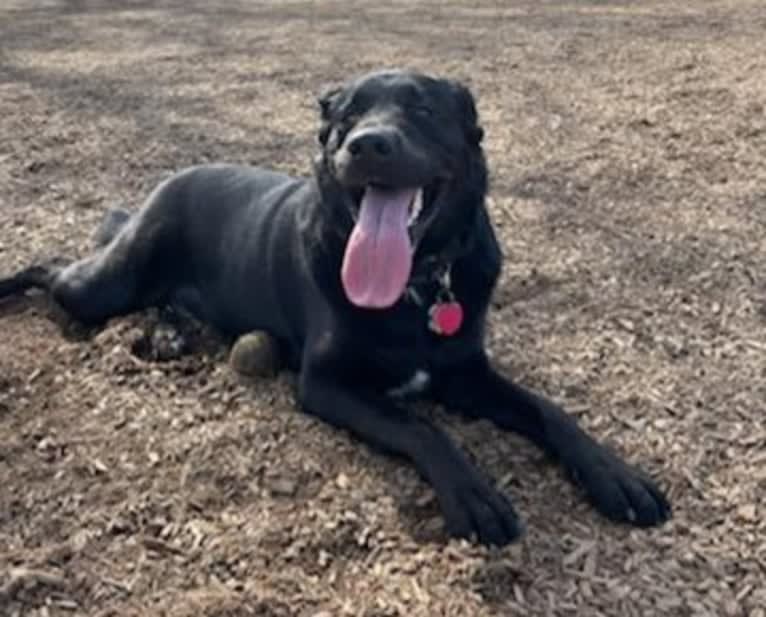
(619, 491)
(474, 509)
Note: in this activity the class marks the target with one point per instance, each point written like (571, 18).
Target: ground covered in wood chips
(628, 149)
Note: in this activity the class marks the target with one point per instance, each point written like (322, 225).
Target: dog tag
(445, 317)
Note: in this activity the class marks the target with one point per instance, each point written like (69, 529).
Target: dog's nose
(372, 143)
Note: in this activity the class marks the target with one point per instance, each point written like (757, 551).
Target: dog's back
(235, 237)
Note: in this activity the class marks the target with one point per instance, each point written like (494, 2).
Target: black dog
(374, 276)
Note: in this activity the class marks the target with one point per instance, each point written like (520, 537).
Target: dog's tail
(42, 275)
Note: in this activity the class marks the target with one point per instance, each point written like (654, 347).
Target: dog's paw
(161, 342)
(618, 491)
(475, 510)
(167, 343)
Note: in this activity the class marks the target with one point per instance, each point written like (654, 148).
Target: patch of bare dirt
(627, 143)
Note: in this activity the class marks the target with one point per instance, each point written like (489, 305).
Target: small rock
(342, 481)
(45, 444)
(119, 525)
(324, 559)
(283, 487)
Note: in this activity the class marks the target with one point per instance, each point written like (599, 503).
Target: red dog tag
(445, 317)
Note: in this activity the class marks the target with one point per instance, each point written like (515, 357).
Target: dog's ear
(469, 116)
(327, 101)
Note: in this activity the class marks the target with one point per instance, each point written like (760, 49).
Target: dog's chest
(401, 371)
(417, 384)
(401, 355)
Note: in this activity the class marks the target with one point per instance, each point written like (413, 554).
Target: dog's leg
(119, 278)
(43, 275)
(111, 225)
(469, 503)
(40, 276)
(109, 283)
(89, 290)
(617, 490)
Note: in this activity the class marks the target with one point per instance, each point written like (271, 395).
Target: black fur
(248, 249)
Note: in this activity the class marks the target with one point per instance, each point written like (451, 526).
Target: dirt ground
(627, 143)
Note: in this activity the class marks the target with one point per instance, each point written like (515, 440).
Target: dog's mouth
(414, 210)
(389, 224)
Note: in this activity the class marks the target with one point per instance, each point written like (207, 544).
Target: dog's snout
(372, 143)
(381, 153)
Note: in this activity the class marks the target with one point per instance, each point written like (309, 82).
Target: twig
(23, 577)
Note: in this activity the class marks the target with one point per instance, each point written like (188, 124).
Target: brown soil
(628, 148)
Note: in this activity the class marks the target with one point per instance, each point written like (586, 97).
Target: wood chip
(747, 513)
(160, 546)
(21, 578)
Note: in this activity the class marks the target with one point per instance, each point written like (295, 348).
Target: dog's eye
(351, 119)
(423, 110)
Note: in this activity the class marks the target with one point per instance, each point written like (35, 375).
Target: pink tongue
(378, 255)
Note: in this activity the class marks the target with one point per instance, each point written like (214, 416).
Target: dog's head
(405, 151)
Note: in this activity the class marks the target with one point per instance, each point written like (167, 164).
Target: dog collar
(445, 314)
